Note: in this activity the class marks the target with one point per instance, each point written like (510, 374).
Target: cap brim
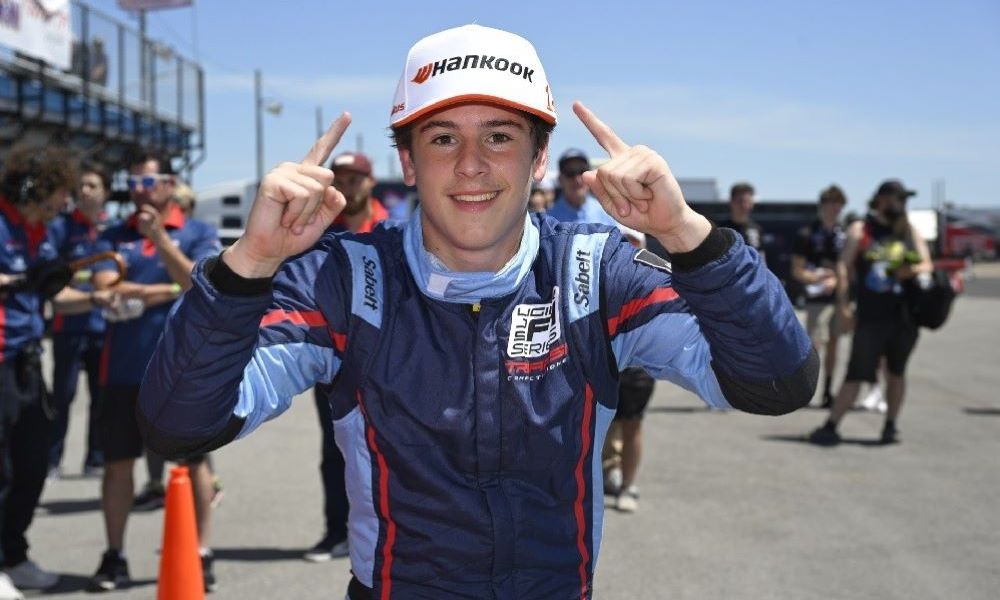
(468, 98)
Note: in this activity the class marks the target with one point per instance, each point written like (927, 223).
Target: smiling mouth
(473, 198)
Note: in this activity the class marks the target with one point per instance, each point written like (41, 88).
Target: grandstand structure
(118, 91)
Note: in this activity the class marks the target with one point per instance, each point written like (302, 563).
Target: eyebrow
(485, 124)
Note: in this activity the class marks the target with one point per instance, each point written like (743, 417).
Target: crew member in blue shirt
(159, 246)
(78, 340)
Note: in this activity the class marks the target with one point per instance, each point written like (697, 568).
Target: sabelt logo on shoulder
(473, 61)
(371, 299)
(584, 265)
(534, 329)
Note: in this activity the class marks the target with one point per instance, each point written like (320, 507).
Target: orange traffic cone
(180, 561)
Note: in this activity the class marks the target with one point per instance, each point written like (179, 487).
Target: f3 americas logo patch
(651, 260)
(535, 346)
(534, 328)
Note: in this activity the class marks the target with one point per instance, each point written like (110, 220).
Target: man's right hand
(295, 204)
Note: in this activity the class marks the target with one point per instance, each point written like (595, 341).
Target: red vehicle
(968, 240)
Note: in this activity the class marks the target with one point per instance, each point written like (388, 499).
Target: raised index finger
(328, 141)
(604, 135)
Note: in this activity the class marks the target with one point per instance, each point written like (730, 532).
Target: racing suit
(471, 408)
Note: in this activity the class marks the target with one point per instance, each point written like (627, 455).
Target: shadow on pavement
(258, 554)
(982, 411)
(71, 583)
(678, 409)
(65, 507)
(844, 441)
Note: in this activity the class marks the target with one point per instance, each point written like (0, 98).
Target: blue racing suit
(471, 408)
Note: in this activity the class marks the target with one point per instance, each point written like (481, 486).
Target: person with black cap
(575, 204)
(881, 254)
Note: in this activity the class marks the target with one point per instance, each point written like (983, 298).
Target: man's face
(829, 210)
(473, 166)
(92, 193)
(148, 186)
(356, 188)
(741, 205)
(571, 180)
(891, 206)
(537, 202)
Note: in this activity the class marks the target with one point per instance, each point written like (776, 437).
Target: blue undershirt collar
(436, 281)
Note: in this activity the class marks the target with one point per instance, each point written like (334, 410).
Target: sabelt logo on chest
(534, 328)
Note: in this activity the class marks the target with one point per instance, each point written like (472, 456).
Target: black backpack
(930, 301)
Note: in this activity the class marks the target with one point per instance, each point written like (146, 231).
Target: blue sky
(790, 95)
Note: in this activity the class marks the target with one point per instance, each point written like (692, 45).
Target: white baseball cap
(472, 64)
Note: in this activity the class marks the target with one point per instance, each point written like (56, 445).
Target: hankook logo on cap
(472, 61)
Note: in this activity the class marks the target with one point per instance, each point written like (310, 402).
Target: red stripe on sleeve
(311, 318)
(633, 307)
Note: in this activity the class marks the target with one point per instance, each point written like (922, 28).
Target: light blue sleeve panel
(275, 375)
(670, 346)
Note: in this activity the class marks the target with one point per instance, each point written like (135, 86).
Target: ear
(406, 162)
(539, 164)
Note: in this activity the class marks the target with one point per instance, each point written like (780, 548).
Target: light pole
(260, 105)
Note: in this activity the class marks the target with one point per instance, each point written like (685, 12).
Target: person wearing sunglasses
(159, 245)
(574, 203)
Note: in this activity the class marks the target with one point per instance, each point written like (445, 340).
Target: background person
(353, 178)
(35, 184)
(815, 253)
(159, 246)
(741, 201)
(575, 204)
(78, 340)
(881, 255)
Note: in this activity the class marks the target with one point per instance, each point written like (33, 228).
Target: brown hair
(739, 189)
(32, 174)
(97, 169)
(833, 194)
(141, 157)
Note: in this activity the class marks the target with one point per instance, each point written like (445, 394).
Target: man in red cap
(352, 176)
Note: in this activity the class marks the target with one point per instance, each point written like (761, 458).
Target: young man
(159, 246)
(814, 264)
(474, 352)
(353, 178)
(78, 340)
(882, 254)
(741, 200)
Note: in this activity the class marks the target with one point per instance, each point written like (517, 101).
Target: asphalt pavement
(732, 505)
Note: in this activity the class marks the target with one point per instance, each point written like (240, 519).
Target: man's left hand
(637, 188)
